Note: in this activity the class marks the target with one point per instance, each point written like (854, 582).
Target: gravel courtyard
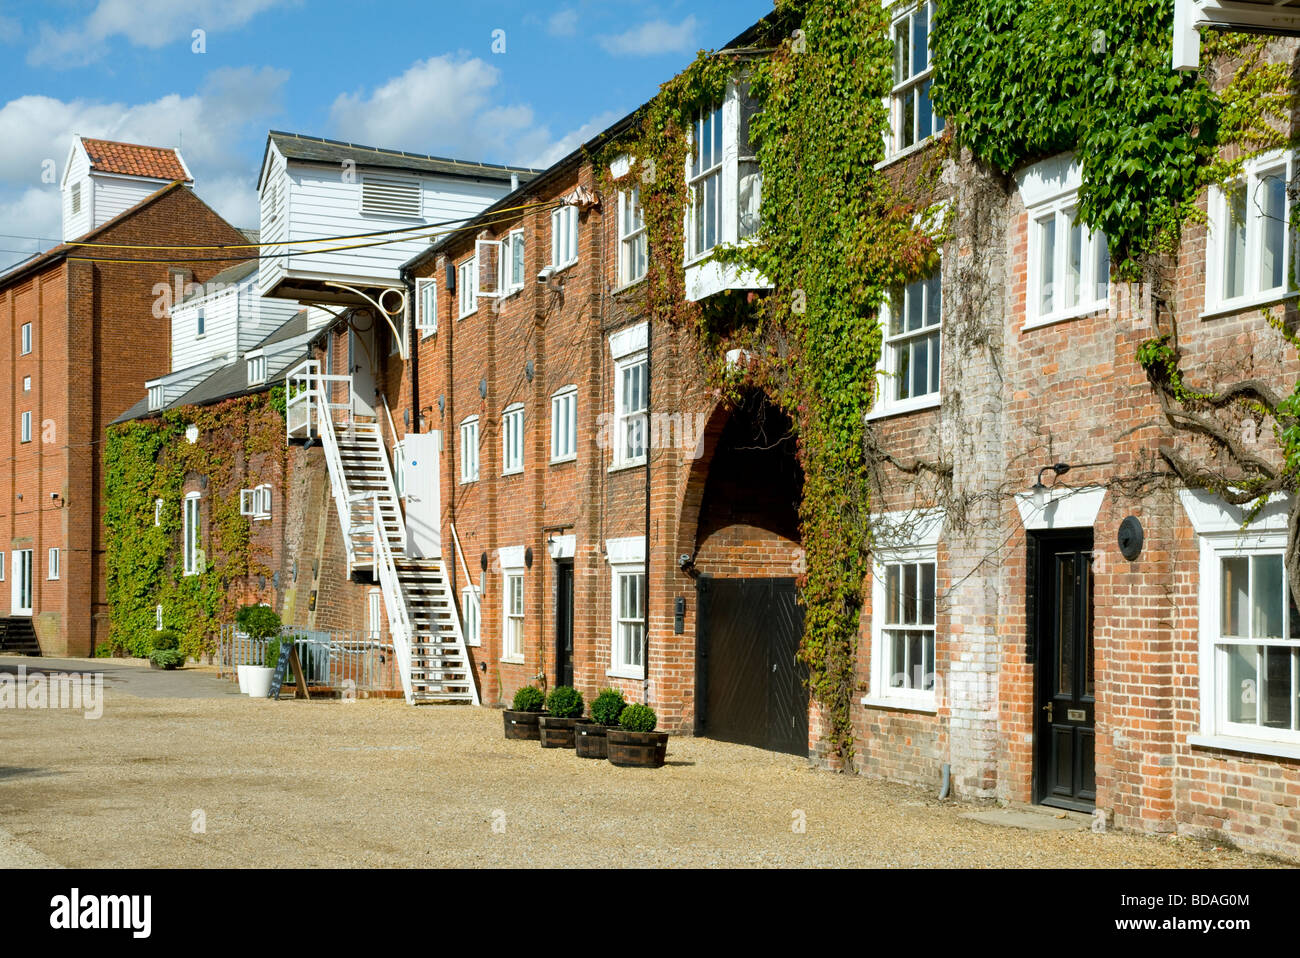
(377, 783)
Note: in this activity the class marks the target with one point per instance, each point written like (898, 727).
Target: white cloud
(652, 39)
(563, 23)
(146, 23)
(557, 150)
(211, 125)
(11, 30)
(444, 105)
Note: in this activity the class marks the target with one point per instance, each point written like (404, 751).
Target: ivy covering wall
(149, 460)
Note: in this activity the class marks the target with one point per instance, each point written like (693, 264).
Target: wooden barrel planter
(557, 732)
(590, 740)
(522, 725)
(637, 749)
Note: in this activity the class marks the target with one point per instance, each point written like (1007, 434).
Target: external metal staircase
(423, 618)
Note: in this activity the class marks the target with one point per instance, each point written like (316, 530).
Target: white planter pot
(242, 672)
(258, 681)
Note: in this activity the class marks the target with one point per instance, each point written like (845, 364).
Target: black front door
(1065, 700)
(564, 622)
(750, 686)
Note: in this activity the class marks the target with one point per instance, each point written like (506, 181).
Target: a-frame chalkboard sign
(288, 656)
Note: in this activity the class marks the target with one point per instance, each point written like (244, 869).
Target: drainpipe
(645, 593)
(412, 338)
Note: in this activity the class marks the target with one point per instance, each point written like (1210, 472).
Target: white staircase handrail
(473, 589)
(399, 617)
(308, 378)
(459, 633)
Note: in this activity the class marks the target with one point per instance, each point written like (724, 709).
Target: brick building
(84, 331)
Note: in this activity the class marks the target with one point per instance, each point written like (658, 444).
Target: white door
(374, 620)
(361, 356)
(21, 594)
(423, 506)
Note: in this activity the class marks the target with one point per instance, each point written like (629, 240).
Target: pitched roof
(134, 159)
(314, 149)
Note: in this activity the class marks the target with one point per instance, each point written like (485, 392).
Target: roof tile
(133, 159)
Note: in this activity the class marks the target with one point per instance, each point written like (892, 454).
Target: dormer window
(256, 369)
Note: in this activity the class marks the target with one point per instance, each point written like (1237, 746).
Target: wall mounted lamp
(1040, 491)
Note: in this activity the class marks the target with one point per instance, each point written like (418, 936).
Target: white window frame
(1062, 212)
(157, 512)
(467, 287)
(626, 420)
(2, 566)
(514, 615)
(633, 238)
(893, 344)
(626, 557)
(707, 178)
(512, 280)
(1215, 725)
(157, 397)
(1254, 293)
(192, 533)
(399, 469)
(564, 424)
(426, 306)
(158, 618)
(26, 427)
(912, 83)
(25, 347)
(471, 616)
(256, 502)
(52, 565)
(27, 384)
(200, 323)
(512, 439)
(469, 450)
(564, 237)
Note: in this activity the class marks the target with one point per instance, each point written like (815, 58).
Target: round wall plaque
(1130, 538)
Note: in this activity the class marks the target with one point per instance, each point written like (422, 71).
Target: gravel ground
(377, 783)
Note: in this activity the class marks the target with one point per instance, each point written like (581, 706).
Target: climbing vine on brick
(835, 237)
(149, 460)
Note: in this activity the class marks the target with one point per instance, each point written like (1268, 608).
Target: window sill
(637, 675)
(512, 660)
(563, 459)
(561, 267)
(902, 408)
(1248, 746)
(469, 482)
(623, 466)
(466, 315)
(1082, 311)
(1230, 306)
(512, 472)
(629, 285)
(921, 707)
(907, 152)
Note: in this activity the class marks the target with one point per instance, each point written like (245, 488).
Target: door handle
(1049, 709)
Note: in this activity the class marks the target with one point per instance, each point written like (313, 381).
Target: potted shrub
(521, 719)
(259, 676)
(563, 711)
(605, 711)
(165, 652)
(635, 742)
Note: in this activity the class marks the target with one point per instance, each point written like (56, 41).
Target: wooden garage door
(750, 686)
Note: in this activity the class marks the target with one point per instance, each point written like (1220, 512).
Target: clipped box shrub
(565, 702)
(258, 621)
(528, 699)
(608, 707)
(638, 718)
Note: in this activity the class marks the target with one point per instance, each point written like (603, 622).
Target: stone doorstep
(1037, 818)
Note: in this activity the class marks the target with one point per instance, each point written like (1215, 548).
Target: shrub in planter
(589, 737)
(521, 721)
(164, 652)
(564, 710)
(636, 743)
(258, 621)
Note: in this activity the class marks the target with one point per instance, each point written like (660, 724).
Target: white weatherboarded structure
(103, 178)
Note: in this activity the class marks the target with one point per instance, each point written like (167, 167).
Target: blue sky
(417, 76)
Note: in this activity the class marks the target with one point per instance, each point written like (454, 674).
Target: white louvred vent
(390, 196)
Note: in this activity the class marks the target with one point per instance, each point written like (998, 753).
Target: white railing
(473, 589)
(310, 412)
(399, 618)
(459, 632)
